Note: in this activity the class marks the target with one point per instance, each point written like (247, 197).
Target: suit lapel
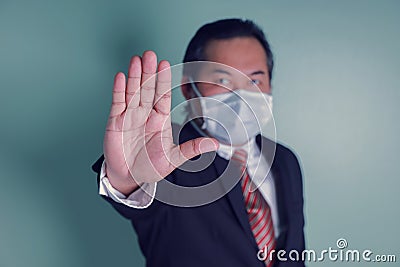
(280, 202)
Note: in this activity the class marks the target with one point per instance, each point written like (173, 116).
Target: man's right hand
(138, 144)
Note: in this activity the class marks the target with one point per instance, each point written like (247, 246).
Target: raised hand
(138, 144)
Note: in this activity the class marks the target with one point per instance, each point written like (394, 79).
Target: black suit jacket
(218, 233)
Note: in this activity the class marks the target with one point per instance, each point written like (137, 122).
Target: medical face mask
(234, 117)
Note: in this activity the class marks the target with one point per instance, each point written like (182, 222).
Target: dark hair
(226, 29)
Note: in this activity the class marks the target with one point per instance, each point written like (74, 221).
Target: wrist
(123, 183)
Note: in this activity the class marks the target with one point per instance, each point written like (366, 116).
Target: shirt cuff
(139, 199)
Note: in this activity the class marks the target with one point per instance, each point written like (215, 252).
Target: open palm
(138, 144)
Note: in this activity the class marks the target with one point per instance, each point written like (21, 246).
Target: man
(247, 221)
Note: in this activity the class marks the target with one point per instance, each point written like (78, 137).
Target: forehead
(245, 54)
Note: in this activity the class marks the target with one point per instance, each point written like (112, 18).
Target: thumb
(197, 146)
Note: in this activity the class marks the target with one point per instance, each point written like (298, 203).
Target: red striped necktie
(258, 210)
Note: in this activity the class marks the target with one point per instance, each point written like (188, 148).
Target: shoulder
(287, 154)
(280, 153)
(287, 163)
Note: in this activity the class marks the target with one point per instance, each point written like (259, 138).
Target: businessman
(254, 206)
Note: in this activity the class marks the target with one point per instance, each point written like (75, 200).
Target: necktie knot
(240, 156)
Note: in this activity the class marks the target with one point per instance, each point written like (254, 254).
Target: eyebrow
(258, 72)
(221, 71)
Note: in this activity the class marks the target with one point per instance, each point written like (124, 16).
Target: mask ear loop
(198, 94)
(194, 87)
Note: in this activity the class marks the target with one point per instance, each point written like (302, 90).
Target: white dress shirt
(257, 167)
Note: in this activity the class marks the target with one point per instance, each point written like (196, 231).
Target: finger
(133, 85)
(162, 99)
(148, 82)
(118, 96)
(195, 147)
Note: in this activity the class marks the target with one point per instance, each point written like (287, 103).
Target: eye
(224, 81)
(255, 82)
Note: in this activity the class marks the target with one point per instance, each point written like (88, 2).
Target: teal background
(336, 103)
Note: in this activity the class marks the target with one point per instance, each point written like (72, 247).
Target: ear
(186, 88)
